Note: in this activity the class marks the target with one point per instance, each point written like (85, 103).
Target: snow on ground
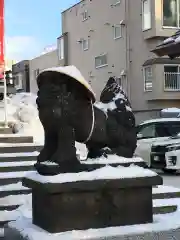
(21, 154)
(16, 200)
(164, 189)
(17, 164)
(161, 223)
(6, 175)
(12, 187)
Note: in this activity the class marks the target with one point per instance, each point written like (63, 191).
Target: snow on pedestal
(113, 159)
(106, 172)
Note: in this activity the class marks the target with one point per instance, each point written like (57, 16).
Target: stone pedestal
(85, 204)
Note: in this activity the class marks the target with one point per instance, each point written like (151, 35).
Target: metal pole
(5, 85)
(5, 99)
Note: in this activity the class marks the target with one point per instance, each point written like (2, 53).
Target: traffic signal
(9, 77)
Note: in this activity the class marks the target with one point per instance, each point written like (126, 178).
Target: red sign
(1, 36)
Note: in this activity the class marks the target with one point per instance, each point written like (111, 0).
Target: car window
(163, 129)
(171, 128)
(147, 131)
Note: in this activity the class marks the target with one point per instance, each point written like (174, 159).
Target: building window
(101, 61)
(148, 78)
(85, 44)
(117, 31)
(146, 14)
(172, 77)
(18, 81)
(85, 15)
(61, 48)
(171, 13)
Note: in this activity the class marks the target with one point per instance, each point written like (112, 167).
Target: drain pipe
(128, 84)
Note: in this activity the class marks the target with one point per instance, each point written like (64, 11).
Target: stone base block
(85, 204)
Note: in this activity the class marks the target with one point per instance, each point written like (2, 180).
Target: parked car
(157, 138)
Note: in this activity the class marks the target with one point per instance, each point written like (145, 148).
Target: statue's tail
(114, 93)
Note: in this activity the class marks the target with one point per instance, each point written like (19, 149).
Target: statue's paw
(42, 157)
(97, 153)
(47, 169)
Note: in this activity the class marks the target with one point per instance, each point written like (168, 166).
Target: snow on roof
(160, 120)
(171, 110)
(169, 46)
(175, 38)
(106, 172)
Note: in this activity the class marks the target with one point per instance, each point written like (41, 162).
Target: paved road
(171, 179)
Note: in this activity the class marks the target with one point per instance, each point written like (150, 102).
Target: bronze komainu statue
(68, 113)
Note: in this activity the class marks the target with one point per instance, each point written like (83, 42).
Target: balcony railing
(172, 81)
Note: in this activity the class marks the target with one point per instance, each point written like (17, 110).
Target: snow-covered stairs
(165, 199)
(17, 156)
(5, 130)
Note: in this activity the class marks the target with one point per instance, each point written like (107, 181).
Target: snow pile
(25, 209)
(22, 115)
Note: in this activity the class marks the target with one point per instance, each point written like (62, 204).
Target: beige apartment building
(39, 63)
(115, 37)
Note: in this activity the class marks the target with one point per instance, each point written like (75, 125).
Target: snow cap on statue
(74, 74)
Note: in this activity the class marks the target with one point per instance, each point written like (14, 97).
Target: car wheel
(172, 171)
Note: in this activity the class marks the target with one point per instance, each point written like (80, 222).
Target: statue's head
(63, 80)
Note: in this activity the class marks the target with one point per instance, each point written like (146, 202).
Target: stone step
(18, 157)
(13, 189)
(164, 206)
(15, 192)
(15, 138)
(17, 166)
(165, 192)
(12, 177)
(4, 130)
(8, 207)
(10, 203)
(19, 147)
(165, 209)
